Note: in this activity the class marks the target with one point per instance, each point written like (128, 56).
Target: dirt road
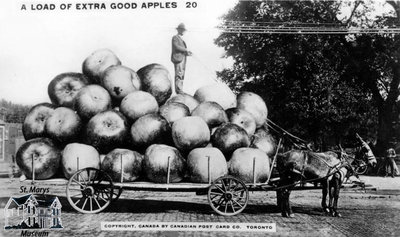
(371, 213)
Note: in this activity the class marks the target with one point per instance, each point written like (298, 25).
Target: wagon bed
(91, 190)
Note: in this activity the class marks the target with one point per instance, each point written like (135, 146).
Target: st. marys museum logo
(28, 212)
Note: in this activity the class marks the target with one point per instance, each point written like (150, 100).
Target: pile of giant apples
(130, 125)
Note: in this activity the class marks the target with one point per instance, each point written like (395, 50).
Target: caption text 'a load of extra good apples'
(128, 123)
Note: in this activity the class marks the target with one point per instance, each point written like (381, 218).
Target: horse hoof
(291, 215)
(326, 210)
(338, 215)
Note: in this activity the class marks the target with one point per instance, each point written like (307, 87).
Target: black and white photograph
(199, 118)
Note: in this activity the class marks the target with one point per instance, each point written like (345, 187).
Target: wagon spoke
(106, 194)
(215, 196)
(102, 198)
(241, 190)
(229, 184)
(97, 202)
(78, 201)
(235, 185)
(79, 183)
(91, 203)
(220, 203)
(76, 189)
(233, 208)
(237, 203)
(223, 185)
(86, 184)
(84, 204)
(223, 191)
(212, 198)
(88, 174)
(76, 195)
(226, 207)
(218, 194)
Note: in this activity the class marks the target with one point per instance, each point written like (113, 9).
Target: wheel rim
(361, 167)
(228, 196)
(90, 190)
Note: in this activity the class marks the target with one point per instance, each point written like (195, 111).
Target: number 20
(191, 4)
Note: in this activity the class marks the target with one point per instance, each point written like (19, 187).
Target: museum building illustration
(28, 212)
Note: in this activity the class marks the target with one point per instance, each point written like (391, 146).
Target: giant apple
(173, 111)
(76, 156)
(64, 125)
(138, 103)
(255, 105)
(185, 99)
(46, 158)
(97, 62)
(228, 137)
(123, 162)
(157, 81)
(64, 87)
(158, 158)
(264, 141)
(106, 131)
(91, 100)
(218, 92)
(150, 129)
(35, 120)
(242, 118)
(190, 132)
(250, 165)
(206, 164)
(120, 81)
(212, 113)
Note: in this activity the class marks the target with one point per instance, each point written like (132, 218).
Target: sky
(37, 45)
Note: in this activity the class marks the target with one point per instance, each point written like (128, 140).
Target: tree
(374, 61)
(307, 80)
(13, 113)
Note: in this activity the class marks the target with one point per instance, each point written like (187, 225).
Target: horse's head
(369, 155)
(372, 161)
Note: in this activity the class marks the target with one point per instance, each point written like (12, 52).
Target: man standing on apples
(178, 57)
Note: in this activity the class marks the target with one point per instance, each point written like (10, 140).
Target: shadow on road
(162, 206)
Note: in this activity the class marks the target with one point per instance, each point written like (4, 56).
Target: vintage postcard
(199, 118)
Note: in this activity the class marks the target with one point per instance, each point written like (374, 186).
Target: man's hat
(391, 152)
(181, 26)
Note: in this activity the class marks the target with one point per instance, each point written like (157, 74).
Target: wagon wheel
(361, 167)
(228, 196)
(90, 190)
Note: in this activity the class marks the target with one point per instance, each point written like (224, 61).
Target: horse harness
(332, 170)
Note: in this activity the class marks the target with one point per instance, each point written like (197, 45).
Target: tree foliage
(321, 87)
(13, 113)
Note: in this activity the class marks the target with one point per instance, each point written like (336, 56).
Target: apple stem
(169, 169)
(254, 170)
(33, 168)
(209, 171)
(122, 171)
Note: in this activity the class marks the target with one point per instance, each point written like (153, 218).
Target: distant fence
(11, 138)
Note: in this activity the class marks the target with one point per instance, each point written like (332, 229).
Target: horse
(329, 168)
